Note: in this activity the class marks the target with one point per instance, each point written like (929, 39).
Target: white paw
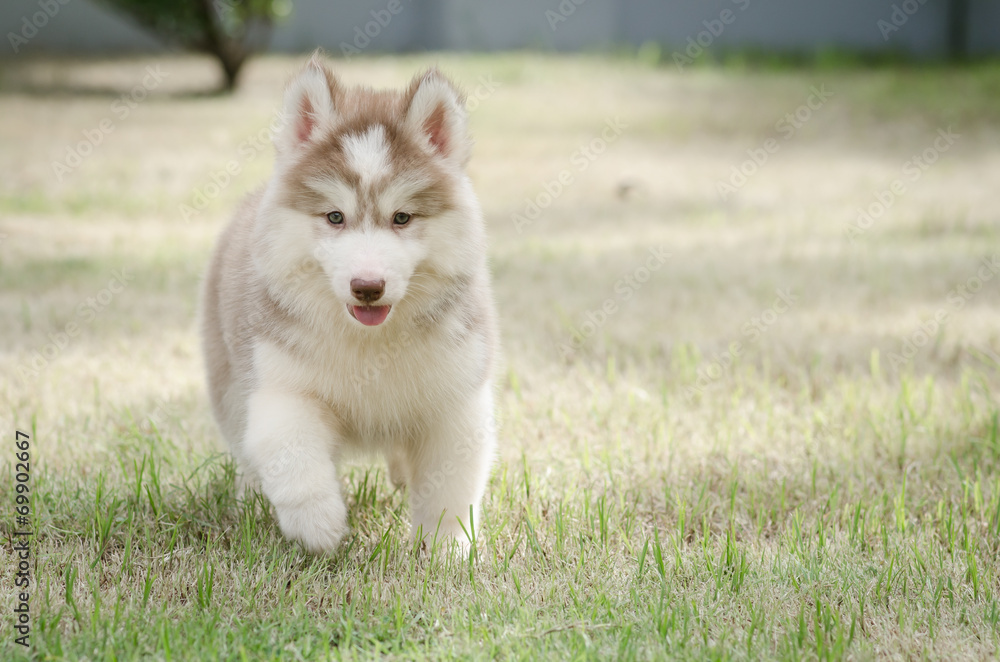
(452, 539)
(246, 485)
(319, 524)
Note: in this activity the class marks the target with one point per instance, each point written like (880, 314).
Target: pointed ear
(308, 106)
(436, 111)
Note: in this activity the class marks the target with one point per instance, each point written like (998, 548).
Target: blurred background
(745, 259)
(933, 28)
(843, 151)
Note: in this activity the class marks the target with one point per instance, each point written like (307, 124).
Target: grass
(660, 492)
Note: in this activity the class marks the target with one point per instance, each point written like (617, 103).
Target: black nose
(367, 291)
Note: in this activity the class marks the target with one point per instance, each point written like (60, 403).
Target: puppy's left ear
(436, 111)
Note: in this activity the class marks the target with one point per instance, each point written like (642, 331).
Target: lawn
(749, 408)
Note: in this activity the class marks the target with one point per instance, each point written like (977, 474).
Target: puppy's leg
(449, 470)
(289, 446)
(246, 483)
(398, 470)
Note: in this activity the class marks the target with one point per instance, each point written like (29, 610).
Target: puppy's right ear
(308, 107)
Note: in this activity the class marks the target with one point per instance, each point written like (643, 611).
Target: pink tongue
(370, 315)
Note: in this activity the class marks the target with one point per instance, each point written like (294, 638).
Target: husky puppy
(348, 309)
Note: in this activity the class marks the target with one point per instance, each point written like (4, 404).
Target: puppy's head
(370, 187)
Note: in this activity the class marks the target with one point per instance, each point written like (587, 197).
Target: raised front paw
(319, 523)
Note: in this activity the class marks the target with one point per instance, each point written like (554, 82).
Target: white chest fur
(396, 384)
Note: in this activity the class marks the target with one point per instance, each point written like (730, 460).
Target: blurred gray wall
(81, 26)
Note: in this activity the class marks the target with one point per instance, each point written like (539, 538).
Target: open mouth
(369, 315)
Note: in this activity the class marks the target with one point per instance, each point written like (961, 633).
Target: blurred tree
(958, 29)
(228, 30)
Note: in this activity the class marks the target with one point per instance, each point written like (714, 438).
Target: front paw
(319, 523)
(246, 486)
(446, 538)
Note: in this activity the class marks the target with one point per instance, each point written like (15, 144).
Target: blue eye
(335, 218)
(401, 218)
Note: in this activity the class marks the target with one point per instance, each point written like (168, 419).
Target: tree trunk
(958, 30)
(230, 52)
(231, 67)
